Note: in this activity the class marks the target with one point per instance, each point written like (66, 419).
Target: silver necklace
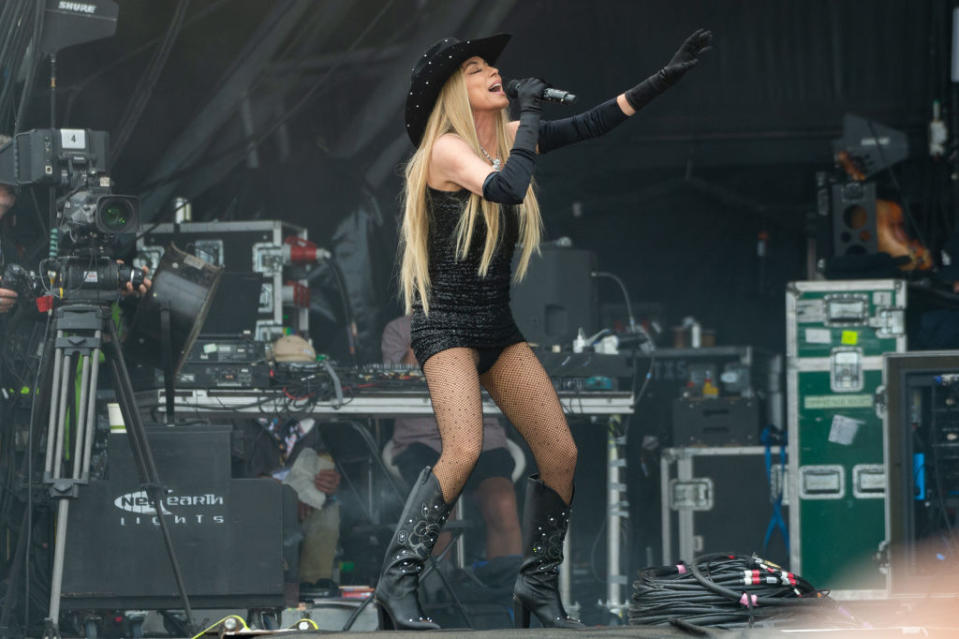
(494, 161)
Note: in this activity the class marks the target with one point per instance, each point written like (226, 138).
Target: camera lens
(116, 214)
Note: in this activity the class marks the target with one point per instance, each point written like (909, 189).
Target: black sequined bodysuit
(465, 309)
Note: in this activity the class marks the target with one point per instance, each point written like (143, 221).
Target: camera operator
(8, 297)
(18, 325)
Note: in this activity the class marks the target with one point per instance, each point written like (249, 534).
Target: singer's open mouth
(496, 88)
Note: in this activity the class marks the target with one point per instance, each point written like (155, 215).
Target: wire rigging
(144, 88)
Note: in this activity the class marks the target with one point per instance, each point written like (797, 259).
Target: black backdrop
(672, 201)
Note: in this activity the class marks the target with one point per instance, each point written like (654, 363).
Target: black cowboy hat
(435, 67)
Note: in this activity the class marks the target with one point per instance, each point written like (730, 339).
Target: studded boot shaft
(416, 533)
(545, 520)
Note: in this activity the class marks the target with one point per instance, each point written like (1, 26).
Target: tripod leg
(56, 583)
(63, 371)
(135, 433)
(54, 399)
(80, 430)
(137, 437)
(83, 429)
(44, 392)
(63, 386)
(91, 411)
(169, 381)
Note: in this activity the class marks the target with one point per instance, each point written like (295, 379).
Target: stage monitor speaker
(231, 536)
(854, 218)
(557, 297)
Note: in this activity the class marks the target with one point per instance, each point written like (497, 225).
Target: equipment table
(216, 402)
(379, 404)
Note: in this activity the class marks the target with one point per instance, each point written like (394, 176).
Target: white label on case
(810, 311)
(843, 430)
(818, 336)
(836, 402)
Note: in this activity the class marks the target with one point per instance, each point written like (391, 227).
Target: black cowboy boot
(416, 533)
(545, 518)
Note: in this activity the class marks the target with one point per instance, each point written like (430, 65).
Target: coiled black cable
(724, 590)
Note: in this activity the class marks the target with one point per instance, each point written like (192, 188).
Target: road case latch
(869, 481)
(691, 494)
(268, 258)
(821, 482)
(847, 309)
(889, 322)
(845, 370)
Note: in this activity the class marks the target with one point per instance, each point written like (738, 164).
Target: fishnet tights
(522, 390)
(455, 392)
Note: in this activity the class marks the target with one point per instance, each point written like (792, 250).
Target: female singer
(469, 201)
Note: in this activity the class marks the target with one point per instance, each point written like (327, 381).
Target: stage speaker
(557, 297)
(234, 538)
(854, 218)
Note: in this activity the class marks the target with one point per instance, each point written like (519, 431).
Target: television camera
(89, 216)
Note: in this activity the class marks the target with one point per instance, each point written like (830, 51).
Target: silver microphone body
(549, 94)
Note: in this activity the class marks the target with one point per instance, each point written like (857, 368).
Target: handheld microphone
(549, 94)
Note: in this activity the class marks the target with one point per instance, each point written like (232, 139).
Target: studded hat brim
(431, 73)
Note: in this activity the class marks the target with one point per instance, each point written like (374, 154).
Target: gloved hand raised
(509, 185)
(688, 55)
(529, 94)
(685, 58)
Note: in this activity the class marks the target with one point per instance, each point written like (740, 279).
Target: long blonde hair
(452, 113)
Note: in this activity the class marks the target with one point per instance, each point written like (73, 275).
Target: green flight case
(836, 334)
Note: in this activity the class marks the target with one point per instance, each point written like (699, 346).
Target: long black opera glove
(601, 119)
(509, 185)
(686, 58)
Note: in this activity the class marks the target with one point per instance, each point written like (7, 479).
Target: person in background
(293, 451)
(417, 443)
(934, 320)
(8, 297)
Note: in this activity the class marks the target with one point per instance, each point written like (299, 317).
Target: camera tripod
(82, 330)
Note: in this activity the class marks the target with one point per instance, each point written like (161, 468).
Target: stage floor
(905, 616)
(928, 616)
(611, 632)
